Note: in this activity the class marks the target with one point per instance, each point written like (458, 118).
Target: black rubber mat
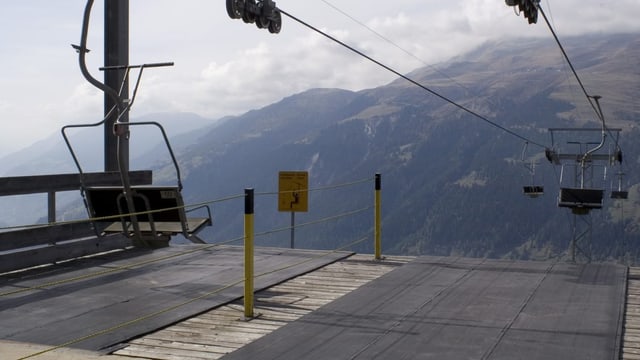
(457, 308)
(99, 302)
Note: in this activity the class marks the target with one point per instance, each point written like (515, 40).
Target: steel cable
(412, 81)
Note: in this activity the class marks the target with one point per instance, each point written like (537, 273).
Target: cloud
(84, 105)
(225, 67)
(267, 73)
(274, 67)
(4, 105)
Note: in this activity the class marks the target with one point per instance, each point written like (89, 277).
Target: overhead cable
(573, 69)
(414, 82)
(596, 107)
(392, 43)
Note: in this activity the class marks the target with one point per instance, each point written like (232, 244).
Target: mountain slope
(452, 183)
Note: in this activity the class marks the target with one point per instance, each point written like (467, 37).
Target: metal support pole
(248, 253)
(116, 52)
(293, 229)
(51, 196)
(378, 218)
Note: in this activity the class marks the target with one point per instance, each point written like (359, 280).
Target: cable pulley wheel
(235, 8)
(262, 22)
(248, 17)
(275, 25)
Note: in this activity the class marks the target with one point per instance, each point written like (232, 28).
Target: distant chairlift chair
(620, 194)
(581, 199)
(532, 191)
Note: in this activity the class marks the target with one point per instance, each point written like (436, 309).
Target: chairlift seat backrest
(158, 208)
(108, 201)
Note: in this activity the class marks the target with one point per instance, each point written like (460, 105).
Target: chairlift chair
(146, 213)
(533, 191)
(620, 194)
(159, 211)
(580, 200)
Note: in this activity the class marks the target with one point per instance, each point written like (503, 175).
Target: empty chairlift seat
(577, 198)
(159, 211)
(619, 195)
(533, 190)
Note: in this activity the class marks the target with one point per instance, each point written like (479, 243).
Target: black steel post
(116, 52)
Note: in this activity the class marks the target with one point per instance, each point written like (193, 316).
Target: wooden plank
(631, 351)
(193, 330)
(154, 352)
(167, 342)
(631, 333)
(22, 185)
(35, 236)
(61, 252)
(208, 321)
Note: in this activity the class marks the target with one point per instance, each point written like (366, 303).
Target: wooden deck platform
(218, 332)
(221, 331)
(98, 303)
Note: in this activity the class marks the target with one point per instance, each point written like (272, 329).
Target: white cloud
(84, 105)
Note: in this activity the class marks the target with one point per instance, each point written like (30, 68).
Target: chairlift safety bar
(122, 67)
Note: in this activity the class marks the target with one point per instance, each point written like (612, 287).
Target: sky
(226, 67)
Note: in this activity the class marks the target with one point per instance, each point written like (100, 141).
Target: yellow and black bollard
(378, 218)
(248, 253)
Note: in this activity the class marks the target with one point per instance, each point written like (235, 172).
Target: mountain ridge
(452, 184)
(443, 192)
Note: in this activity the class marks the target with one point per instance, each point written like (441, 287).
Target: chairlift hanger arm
(121, 67)
(132, 100)
(82, 51)
(119, 107)
(126, 76)
(604, 128)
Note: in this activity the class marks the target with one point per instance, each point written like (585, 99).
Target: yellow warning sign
(293, 192)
